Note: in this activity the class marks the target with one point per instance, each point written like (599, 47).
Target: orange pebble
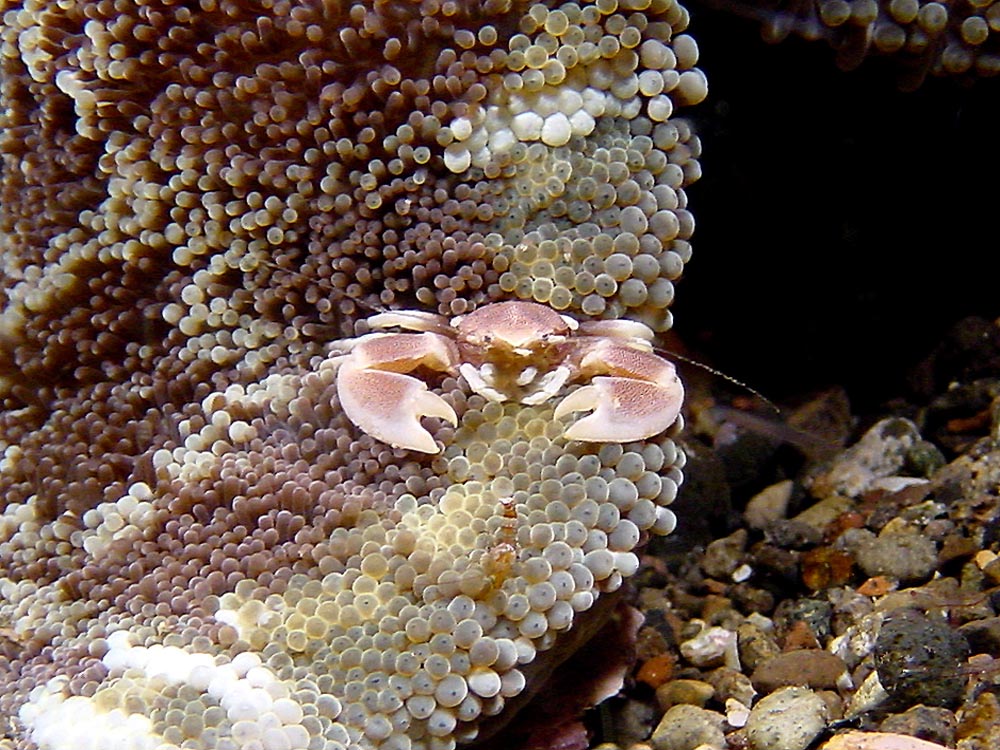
(877, 586)
(654, 672)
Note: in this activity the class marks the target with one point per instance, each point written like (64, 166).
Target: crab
(515, 351)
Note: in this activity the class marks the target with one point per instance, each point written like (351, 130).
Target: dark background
(843, 226)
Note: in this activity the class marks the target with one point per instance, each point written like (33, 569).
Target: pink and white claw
(389, 405)
(379, 397)
(638, 396)
(624, 410)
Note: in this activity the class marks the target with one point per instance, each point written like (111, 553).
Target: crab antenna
(718, 373)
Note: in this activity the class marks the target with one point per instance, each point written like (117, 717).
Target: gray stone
(789, 719)
(906, 556)
(769, 505)
(918, 660)
(723, 556)
(686, 727)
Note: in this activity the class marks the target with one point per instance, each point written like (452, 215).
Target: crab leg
(379, 397)
(635, 395)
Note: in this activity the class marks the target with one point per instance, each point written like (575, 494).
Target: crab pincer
(379, 397)
(634, 395)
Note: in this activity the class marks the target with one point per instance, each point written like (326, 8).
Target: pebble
(884, 582)
(686, 727)
(825, 512)
(878, 741)
(834, 704)
(788, 719)
(881, 452)
(690, 692)
(983, 636)
(918, 660)
(924, 458)
(813, 612)
(905, 556)
(930, 723)
(723, 556)
(729, 683)
(826, 567)
(781, 564)
(989, 562)
(711, 647)
(634, 721)
(736, 713)
(657, 670)
(769, 505)
(869, 696)
(756, 646)
(792, 533)
(980, 727)
(813, 668)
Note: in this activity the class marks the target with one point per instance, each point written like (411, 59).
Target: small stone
(656, 670)
(869, 696)
(930, 723)
(826, 567)
(881, 452)
(749, 598)
(737, 713)
(723, 556)
(992, 570)
(789, 719)
(878, 741)
(756, 646)
(780, 564)
(793, 534)
(686, 727)
(826, 418)
(834, 704)
(712, 647)
(731, 684)
(826, 511)
(849, 612)
(955, 547)
(769, 505)
(924, 458)
(813, 668)
(815, 613)
(917, 660)
(799, 636)
(907, 557)
(877, 586)
(983, 636)
(690, 692)
(633, 720)
(980, 725)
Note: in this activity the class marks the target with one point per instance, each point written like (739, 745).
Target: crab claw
(625, 409)
(389, 405)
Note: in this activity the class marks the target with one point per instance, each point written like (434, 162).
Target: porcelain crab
(508, 351)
